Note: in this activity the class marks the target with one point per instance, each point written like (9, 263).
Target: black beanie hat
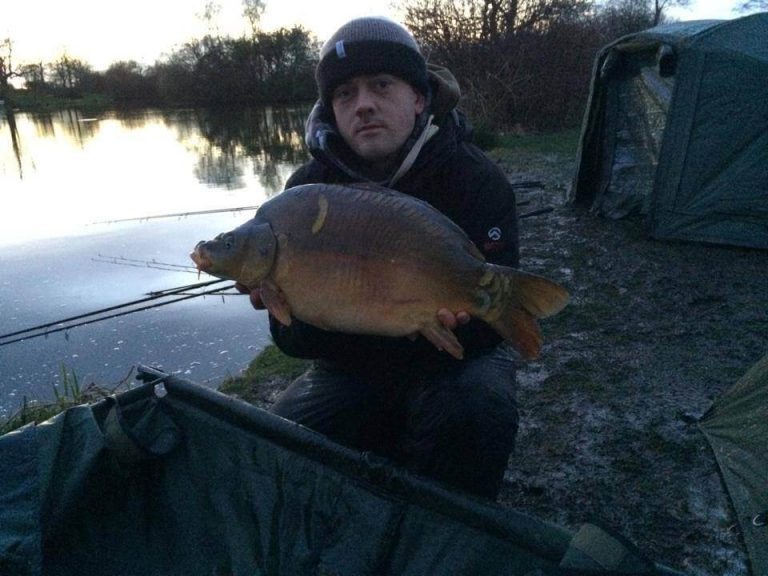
(370, 46)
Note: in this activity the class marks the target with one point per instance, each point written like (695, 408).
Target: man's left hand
(451, 320)
(253, 294)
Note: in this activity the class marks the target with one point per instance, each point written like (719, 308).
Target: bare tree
(498, 50)
(69, 72)
(456, 22)
(659, 6)
(7, 69)
(625, 16)
(210, 15)
(619, 17)
(253, 10)
(33, 74)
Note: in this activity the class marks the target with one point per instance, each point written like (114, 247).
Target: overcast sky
(101, 32)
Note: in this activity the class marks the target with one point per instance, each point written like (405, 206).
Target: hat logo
(340, 51)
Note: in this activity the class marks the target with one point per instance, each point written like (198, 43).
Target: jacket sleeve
(492, 208)
(354, 352)
(489, 216)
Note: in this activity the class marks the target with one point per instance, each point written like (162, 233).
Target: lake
(102, 210)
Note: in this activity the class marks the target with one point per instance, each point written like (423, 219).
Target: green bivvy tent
(736, 427)
(676, 129)
(172, 478)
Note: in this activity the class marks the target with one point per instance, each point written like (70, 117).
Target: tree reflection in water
(10, 118)
(230, 144)
(267, 141)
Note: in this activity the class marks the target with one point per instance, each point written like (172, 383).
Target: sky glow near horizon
(101, 32)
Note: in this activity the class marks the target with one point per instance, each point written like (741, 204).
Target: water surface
(100, 210)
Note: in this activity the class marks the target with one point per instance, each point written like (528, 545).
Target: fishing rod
(517, 185)
(176, 215)
(99, 315)
(136, 263)
(521, 185)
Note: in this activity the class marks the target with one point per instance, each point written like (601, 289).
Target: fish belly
(362, 295)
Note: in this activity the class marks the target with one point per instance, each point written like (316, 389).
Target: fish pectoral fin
(443, 339)
(274, 300)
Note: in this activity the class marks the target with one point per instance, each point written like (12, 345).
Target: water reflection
(88, 168)
(14, 132)
(71, 123)
(265, 136)
(230, 143)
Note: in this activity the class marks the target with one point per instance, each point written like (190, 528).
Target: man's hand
(254, 295)
(451, 320)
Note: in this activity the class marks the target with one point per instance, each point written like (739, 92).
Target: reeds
(67, 393)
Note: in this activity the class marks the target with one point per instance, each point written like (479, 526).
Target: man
(383, 117)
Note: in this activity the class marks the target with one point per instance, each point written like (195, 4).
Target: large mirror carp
(363, 259)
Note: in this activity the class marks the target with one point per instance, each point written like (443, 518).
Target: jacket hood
(445, 91)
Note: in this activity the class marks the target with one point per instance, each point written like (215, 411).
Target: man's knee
(462, 426)
(344, 407)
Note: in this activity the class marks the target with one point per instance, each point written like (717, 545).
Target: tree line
(526, 63)
(268, 67)
(520, 63)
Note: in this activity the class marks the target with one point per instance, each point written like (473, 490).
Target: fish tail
(515, 300)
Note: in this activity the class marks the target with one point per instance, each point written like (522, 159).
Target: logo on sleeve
(494, 242)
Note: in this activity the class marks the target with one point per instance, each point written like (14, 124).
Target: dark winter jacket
(456, 178)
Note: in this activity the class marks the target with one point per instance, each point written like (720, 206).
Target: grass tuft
(67, 394)
(265, 375)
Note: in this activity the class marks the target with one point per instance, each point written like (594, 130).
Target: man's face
(375, 115)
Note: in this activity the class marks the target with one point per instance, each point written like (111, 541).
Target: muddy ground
(655, 331)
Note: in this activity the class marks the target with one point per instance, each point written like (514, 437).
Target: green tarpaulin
(737, 429)
(175, 479)
(676, 129)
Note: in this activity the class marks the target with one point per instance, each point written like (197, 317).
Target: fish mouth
(202, 262)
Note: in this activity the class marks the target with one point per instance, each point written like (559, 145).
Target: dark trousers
(454, 421)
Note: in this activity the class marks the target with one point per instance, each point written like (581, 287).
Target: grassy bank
(265, 377)
(33, 102)
(564, 142)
